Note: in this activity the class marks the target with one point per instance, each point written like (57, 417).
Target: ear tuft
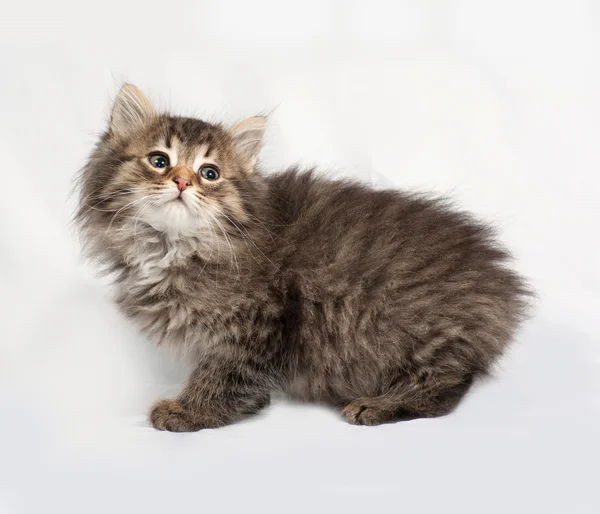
(247, 136)
(130, 111)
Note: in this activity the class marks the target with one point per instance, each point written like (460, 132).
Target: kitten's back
(398, 269)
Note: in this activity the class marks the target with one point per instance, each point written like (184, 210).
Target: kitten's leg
(225, 387)
(408, 400)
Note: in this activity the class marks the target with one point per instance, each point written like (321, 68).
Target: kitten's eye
(209, 172)
(159, 160)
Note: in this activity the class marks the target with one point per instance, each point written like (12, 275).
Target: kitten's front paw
(172, 416)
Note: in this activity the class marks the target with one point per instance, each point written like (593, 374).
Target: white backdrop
(496, 103)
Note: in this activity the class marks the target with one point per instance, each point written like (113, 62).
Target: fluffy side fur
(383, 304)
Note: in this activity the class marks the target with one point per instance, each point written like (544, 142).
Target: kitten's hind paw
(357, 413)
(172, 416)
(374, 411)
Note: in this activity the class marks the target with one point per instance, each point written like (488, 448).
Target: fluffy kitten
(383, 304)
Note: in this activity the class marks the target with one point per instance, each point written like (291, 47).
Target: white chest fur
(156, 293)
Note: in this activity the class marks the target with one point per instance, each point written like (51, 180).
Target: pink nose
(182, 183)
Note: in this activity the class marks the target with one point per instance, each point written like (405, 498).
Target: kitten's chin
(174, 219)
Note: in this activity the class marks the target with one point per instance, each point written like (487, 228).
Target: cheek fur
(230, 204)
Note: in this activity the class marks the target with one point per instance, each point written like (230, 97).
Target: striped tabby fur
(383, 304)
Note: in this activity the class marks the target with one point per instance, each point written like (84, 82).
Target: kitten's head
(180, 177)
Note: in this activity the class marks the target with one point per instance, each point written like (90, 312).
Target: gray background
(495, 103)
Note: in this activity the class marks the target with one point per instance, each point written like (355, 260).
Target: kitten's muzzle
(182, 183)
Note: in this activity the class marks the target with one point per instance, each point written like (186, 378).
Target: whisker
(264, 226)
(233, 256)
(130, 204)
(213, 239)
(249, 238)
(136, 217)
(110, 197)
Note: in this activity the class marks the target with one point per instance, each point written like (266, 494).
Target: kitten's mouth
(177, 199)
(180, 201)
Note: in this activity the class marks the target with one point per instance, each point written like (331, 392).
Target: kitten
(383, 304)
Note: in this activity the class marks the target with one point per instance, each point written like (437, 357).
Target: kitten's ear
(130, 110)
(247, 136)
